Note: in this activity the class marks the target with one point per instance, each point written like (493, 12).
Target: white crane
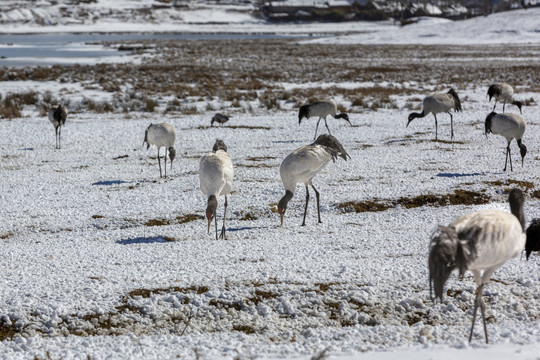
(439, 103)
(216, 178)
(219, 118)
(161, 135)
(480, 242)
(303, 164)
(57, 116)
(533, 238)
(321, 109)
(504, 93)
(510, 126)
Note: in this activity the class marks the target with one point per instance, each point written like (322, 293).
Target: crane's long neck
(211, 207)
(516, 206)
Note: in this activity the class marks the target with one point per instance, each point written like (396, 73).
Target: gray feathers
(333, 146)
(219, 145)
(448, 251)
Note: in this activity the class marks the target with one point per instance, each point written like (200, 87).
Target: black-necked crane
(216, 178)
(510, 126)
(502, 92)
(303, 164)
(480, 242)
(57, 116)
(321, 109)
(439, 103)
(161, 135)
(533, 238)
(219, 118)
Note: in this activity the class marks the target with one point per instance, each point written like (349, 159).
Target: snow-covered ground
(101, 258)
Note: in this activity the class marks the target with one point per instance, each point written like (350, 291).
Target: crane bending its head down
(303, 164)
(480, 242)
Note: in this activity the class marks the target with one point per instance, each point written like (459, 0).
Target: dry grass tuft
(459, 197)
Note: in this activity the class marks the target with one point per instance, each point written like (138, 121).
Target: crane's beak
(209, 223)
(282, 215)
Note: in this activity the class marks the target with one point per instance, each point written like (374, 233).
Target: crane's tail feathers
(457, 102)
(333, 146)
(450, 250)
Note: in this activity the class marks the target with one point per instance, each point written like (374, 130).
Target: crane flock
(480, 242)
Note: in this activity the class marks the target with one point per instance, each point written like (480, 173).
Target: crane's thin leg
(165, 162)
(318, 207)
(222, 235)
(483, 308)
(327, 126)
(56, 137)
(508, 155)
(495, 105)
(60, 137)
(159, 163)
(435, 116)
(451, 125)
(477, 301)
(305, 208)
(215, 222)
(504, 104)
(316, 128)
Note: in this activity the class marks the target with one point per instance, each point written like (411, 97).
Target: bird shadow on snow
(450, 175)
(110, 182)
(142, 240)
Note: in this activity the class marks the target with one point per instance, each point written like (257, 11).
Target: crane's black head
(282, 205)
(533, 238)
(303, 113)
(343, 116)
(494, 90)
(219, 145)
(489, 120)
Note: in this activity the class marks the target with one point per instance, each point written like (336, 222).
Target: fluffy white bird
(161, 135)
(480, 242)
(219, 118)
(303, 164)
(216, 178)
(321, 109)
(439, 103)
(510, 126)
(57, 116)
(504, 93)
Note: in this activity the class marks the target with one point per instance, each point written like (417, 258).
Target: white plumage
(504, 93)
(216, 178)
(321, 109)
(510, 126)
(161, 135)
(439, 103)
(480, 242)
(303, 164)
(57, 116)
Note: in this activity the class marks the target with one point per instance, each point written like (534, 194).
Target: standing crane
(439, 103)
(509, 126)
(321, 109)
(481, 242)
(504, 93)
(161, 135)
(57, 116)
(216, 178)
(303, 164)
